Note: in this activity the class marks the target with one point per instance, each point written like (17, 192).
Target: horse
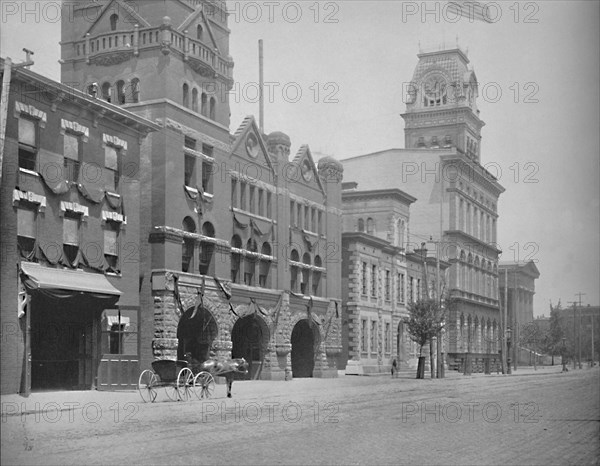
(217, 368)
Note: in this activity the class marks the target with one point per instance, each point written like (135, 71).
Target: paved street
(529, 418)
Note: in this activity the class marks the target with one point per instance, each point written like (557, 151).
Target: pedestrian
(394, 368)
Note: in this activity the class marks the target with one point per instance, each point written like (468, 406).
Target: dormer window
(421, 142)
(114, 19)
(434, 142)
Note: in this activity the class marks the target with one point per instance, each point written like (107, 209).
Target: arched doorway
(304, 341)
(196, 333)
(250, 336)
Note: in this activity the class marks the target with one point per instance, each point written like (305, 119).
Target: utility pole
(579, 295)
(574, 323)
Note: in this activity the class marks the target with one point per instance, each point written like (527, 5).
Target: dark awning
(46, 278)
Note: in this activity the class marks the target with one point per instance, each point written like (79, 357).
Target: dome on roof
(277, 137)
(330, 162)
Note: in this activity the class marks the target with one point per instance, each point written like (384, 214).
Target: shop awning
(46, 278)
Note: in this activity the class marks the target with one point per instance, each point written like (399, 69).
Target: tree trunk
(431, 360)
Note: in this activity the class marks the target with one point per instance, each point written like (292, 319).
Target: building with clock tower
(455, 212)
(239, 240)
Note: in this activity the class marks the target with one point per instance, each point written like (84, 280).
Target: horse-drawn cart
(177, 378)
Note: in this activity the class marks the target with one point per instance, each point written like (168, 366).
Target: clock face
(252, 145)
(435, 86)
(307, 172)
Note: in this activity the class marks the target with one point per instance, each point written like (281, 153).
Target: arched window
(203, 104)
(106, 92)
(316, 284)
(195, 100)
(114, 19)
(199, 32)
(207, 249)
(304, 285)
(400, 231)
(250, 263)
(294, 271)
(236, 259)
(370, 226)
(187, 249)
(120, 92)
(361, 224)
(213, 108)
(264, 266)
(186, 96)
(135, 90)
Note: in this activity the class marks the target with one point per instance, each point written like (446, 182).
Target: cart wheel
(146, 384)
(204, 385)
(185, 383)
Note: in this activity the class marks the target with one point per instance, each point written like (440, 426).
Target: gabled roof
(249, 124)
(304, 153)
(191, 18)
(528, 267)
(127, 8)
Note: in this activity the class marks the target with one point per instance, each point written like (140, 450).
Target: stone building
(70, 224)
(517, 283)
(379, 279)
(239, 241)
(457, 197)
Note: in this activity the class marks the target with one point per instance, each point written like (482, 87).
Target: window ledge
(29, 172)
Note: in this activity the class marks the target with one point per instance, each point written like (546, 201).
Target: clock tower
(441, 104)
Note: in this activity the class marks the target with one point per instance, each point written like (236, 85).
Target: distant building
(518, 278)
(581, 327)
(70, 228)
(456, 197)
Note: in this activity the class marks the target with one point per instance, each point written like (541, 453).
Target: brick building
(457, 197)
(229, 217)
(70, 236)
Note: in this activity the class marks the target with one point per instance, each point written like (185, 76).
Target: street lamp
(564, 361)
(509, 361)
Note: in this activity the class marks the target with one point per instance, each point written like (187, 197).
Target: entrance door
(249, 335)
(303, 349)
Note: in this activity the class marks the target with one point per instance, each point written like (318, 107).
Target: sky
(336, 71)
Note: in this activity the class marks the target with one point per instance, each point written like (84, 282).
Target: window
(106, 92)
(236, 259)
(374, 281)
(111, 245)
(268, 204)
(213, 108)
(370, 226)
(121, 92)
(26, 231)
(373, 336)
(293, 213)
(189, 170)
(388, 338)
(114, 18)
(186, 95)
(234, 193)
(364, 336)
(419, 296)
(306, 218)
(28, 138)
(387, 286)
(361, 225)
(189, 143)
(243, 195)
(313, 219)
(294, 271)
(72, 156)
(304, 285)
(207, 150)
(364, 278)
(112, 162)
(251, 207)
(316, 285)
(250, 263)
(187, 249)
(401, 287)
(411, 289)
(195, 100)
(203, 104)
(207, 249)
(320, 220)
(199, 32)
(261, 202)
(207, 177)
(71, 236)
(264, 266)
(135, 90)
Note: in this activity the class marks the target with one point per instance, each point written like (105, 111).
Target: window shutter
(26, 223)
(71, 231)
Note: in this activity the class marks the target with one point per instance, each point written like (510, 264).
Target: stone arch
(196, 332)
(250, 337)
(305, 339)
